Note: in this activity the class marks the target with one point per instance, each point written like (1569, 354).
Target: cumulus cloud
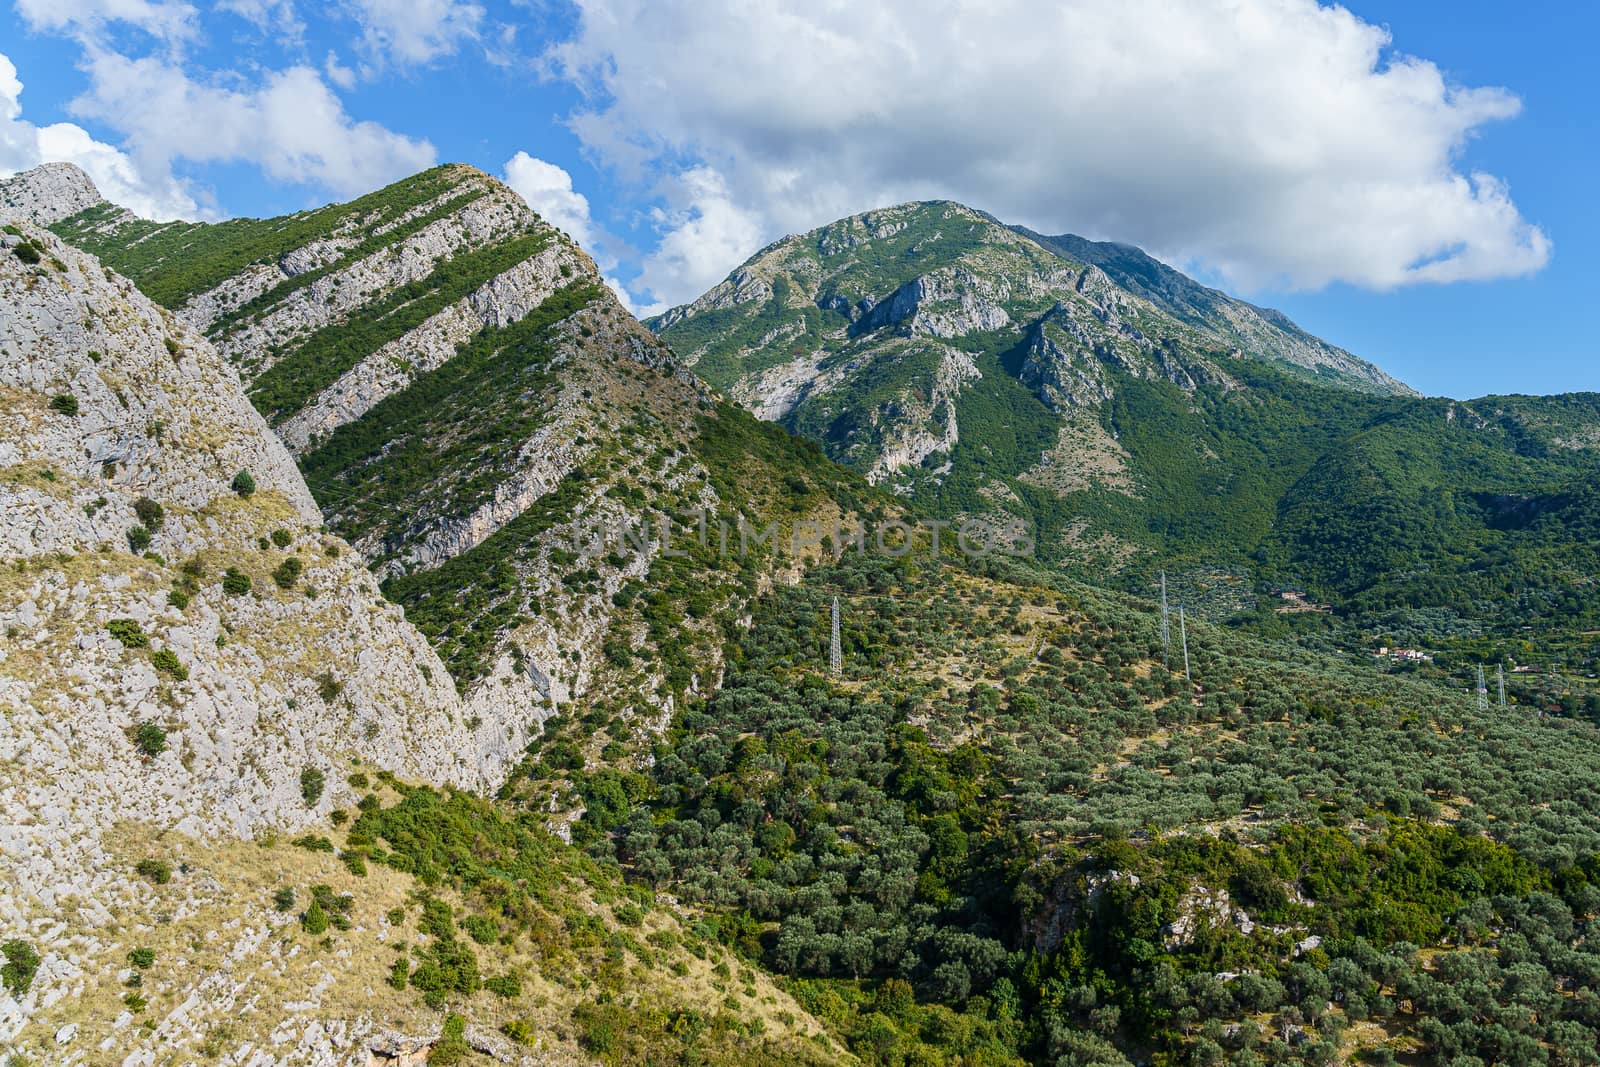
(410, 32)
(24, 145)
(290, 125)
(1277, 142)
(172, 22)
(548, 190)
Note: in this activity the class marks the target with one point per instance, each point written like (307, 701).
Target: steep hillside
(1262, 332)
(1141, 422)
(194, 671)
(497, 436)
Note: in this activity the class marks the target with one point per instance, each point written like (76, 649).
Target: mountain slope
(475, 411)
(193, 672)
(1262, 332)
(1141, 422)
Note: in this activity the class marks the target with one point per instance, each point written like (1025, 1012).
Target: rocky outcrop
(48, 193)
(183, 646)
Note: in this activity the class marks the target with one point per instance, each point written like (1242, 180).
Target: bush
(158, 871)
(22, 963)
(129, 632)
(315, 920)
(312, 781)
(235, 582)
(288, 572)
(64, 404)
(281, 538)
(150, 739)
(150, 513)
(244, 483)
(505, 985)
(399, 974)
(142, 958)
(283, 899)
(166, 660)
(328, 687)
(452, 1046)
(138, 539)
(27, 253)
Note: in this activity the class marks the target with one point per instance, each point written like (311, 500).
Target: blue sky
(1409, 180)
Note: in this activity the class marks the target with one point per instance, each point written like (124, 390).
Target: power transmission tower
(1483, 691)
(1183, 634)
(835, 654)
(1166, 626)
(1500, 677)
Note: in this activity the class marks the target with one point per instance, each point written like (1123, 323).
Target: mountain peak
(48, 193)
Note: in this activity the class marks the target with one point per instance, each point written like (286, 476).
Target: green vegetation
(244, 483)
(173, 261)
(149, 512)
(287, 573)
(64, 404)
(159, 872)
(299, 375)
(22, 963)
(129, 632)
(166, 661)
(150, 739)
(312, 781)
(235, 582)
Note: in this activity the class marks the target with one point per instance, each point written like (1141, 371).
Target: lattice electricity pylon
(835, 653)
(1183, 633)
(1166, 626)
(1500, 677)
(1483, 691)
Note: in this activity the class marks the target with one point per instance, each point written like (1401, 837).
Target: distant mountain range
(1144, 422)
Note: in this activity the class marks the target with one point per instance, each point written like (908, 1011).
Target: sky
(1412, 181)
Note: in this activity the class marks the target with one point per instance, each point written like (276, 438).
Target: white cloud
(1274, 141)
(337, 72)
(291, 125)
(410, 32)
(548, 190)
(277, 17)
(173, 23)
(24, 145)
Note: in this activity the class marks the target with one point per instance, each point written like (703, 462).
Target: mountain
(1262, 332)
(500, 440)
(1140, 422)
(238, 783)
(1022, 820)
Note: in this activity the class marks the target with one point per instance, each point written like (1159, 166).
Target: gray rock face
(109, 406)
(48, 193)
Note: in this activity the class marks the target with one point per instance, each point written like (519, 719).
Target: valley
(331, 733)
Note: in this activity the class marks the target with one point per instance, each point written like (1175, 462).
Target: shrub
(281, 538)
(150, 513)
(313, 843)
(158, 871)
(150, 739)
(328, 687)
(64, 404)
(235, 582)
(520, 1030)
(142, 958)
(288, 572)
(312, 781)
(138, 539)
(505, 985)
(399, 974)
(244, 483)
(22, 963)
(173, 348)
(27, 253)
(178, 598)
(167, 660)
(315, 920)
(283, 899)
(129, 632)
(483, 930)
(452, 1046)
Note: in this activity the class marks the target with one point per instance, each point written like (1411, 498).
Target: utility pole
(1483, 691)
(835, 653)
(1166, 626)
(1183, 633)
